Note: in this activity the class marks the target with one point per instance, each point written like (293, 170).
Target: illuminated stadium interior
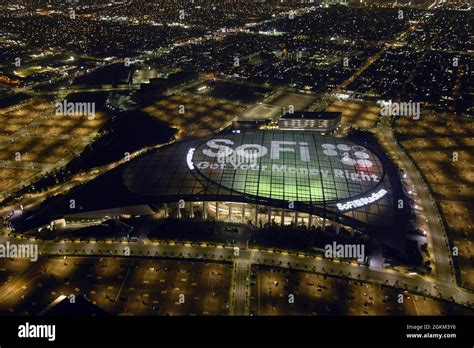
(292, 166)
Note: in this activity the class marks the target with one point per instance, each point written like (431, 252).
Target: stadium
(262, 178)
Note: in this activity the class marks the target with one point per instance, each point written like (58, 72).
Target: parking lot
(434, 125)
(316, 294)
(78, 126)
(10, 177)
(443, 148)
(33, 139)
(450, 177)
(119, 286)
(356, 114)
(41, 150)
(15, 118)
(459, 216)
(194, 116)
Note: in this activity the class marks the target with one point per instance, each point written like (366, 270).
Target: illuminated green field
(292, 166)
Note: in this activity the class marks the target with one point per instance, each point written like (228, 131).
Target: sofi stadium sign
(245, 157)
(361, 202)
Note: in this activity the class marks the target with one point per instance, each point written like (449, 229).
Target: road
(414, 283)
(435, 228)
(441, 284)
(240, 287)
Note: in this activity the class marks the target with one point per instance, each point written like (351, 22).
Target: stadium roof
(309, 115)
(334, 178)
(289, 166)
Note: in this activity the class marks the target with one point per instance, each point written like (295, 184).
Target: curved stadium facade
(262, 178)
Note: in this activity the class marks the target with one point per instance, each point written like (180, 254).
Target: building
(262, 178)
(315, 121)
(258, 115)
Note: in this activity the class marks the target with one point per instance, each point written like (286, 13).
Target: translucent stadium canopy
(287, 165)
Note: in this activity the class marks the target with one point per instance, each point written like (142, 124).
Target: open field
(299, 101)
(121, 286)
(33, 69)
(199, 116)
(319, 295)
(233, 92)
(261, 112)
